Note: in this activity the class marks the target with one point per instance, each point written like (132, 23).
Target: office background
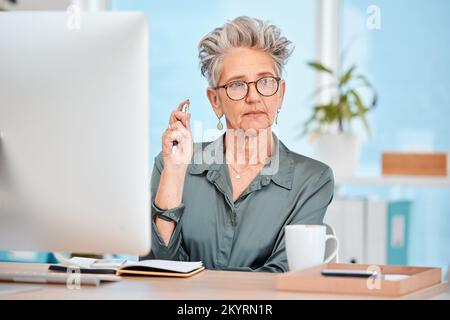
(406, 60)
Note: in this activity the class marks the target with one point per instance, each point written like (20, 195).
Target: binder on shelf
(373, 231)
(398, 232)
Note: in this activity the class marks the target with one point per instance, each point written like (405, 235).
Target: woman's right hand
(180, 130)
(171, 184)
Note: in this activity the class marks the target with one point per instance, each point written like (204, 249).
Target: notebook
(167, 268)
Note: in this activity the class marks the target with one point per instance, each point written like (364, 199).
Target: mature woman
(227, 202)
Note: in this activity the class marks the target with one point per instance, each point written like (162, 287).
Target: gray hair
(242, 32)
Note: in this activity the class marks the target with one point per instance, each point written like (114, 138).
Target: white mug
(305, 245)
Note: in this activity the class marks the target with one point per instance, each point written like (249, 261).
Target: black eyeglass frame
(225, 86)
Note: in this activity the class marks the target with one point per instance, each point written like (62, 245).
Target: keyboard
(69, 279)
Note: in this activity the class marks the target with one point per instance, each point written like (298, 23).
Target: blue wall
(408, 60)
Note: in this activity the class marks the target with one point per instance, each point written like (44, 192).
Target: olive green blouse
(248, 234)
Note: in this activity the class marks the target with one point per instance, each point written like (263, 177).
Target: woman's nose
(253, 95)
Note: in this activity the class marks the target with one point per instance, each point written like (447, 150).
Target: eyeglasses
(238, 90)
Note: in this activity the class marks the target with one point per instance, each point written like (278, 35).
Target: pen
(175, 142)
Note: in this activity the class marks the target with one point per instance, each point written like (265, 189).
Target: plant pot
(341, 151)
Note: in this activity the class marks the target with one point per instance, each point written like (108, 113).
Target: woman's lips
(254, 114)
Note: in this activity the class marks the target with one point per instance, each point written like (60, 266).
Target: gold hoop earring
(219, 124)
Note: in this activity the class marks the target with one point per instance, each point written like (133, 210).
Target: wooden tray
(311, 280)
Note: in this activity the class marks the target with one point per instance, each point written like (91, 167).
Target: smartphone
(348, 273)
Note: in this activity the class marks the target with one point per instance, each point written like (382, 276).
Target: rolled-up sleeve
(174, 250)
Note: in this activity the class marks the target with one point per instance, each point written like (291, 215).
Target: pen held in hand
(175, 142)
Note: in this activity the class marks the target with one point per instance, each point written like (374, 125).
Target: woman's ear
(281, 93)
(215, 102)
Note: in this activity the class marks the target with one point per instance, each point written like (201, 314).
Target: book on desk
(166, 268)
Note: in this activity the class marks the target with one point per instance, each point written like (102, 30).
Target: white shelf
(388, 181)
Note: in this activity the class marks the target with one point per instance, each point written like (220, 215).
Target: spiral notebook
(166, 268)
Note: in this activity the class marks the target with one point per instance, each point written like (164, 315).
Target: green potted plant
(330, 125)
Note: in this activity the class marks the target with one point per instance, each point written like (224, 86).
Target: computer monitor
(74, 149)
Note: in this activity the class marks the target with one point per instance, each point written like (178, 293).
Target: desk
(208, 284)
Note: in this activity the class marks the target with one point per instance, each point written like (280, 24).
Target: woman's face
(255, 111)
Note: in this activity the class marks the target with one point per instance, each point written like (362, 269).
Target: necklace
(238, 174)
